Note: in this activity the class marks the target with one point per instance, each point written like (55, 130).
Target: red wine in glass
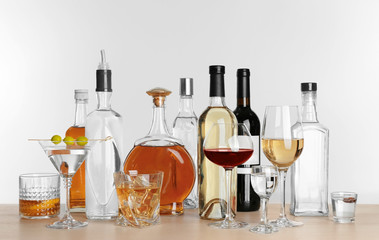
(227, 158)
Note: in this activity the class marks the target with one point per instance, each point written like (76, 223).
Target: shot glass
(343, 204)
(139, 198)
(39, 195)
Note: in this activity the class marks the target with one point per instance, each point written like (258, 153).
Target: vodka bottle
(211, 177)
(185, 128)
(105, 158)
(309, 177)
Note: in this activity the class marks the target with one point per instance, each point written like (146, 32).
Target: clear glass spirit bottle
(185, 129)
(159, 151)
(212, 185)
(309, 177)
(77, 190)
(105, 158)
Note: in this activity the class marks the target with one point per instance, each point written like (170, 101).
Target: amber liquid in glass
(178, 169)
(77, 191)
(39, 208)
(145, 204)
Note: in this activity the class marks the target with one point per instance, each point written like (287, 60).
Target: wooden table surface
(190, 227)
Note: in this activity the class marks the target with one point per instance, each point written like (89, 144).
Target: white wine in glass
(282, 143)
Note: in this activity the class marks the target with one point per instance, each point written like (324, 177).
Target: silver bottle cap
(186, 87)
(81, 94)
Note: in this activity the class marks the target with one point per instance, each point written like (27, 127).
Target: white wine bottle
(212, 185)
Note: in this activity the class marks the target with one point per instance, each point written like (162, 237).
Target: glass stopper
(159, 95)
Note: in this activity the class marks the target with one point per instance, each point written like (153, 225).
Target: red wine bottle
(247, 199)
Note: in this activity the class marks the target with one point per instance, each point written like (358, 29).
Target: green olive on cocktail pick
(69, 140)
(56, 139)
(82, 141)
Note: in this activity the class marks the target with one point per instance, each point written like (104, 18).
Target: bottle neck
(80, 113)
(186, 106)
(309, 113)
(104, 100)
(243, 102)
(158, 126)
(217, 102)
(243, 91)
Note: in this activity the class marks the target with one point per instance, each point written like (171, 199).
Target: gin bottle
(309, 178)
(185, 129)
(105, 158)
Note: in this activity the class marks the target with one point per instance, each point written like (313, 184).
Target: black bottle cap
(309, 86)
(103, 81)
(243, 83)
(216, 69)
(217, 81)
(243, 72)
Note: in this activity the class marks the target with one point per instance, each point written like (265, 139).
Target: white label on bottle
(254, 159)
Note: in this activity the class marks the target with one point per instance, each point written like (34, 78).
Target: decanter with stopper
(159, 151)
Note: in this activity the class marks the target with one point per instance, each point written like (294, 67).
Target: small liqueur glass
(228, 145)
(139, 198)
(343, 204)
(264, 180)
(39, 195)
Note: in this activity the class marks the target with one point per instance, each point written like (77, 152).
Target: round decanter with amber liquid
(159, 151)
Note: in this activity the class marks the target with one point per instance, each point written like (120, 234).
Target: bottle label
(254, 160)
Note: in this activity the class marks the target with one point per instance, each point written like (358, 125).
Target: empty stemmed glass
(282, 143)
(228, 145)
(263, 180)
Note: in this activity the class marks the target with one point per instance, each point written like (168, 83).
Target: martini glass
(67, 160)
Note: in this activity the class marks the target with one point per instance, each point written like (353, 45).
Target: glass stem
(229, 216)
(264, 211)
(282, 176)
(68, 186)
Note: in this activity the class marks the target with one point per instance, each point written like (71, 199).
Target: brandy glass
(282, 143)
(228, 145)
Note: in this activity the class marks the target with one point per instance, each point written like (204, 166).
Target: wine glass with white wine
(282, 143)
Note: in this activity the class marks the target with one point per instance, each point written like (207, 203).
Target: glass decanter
(159, 151)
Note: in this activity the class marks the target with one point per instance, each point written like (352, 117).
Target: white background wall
(49, 48)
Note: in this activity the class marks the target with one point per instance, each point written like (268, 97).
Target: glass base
(228, 224)
(264, 229)
(67, 224)
(344, 220)
(285, 222)
(189, 204)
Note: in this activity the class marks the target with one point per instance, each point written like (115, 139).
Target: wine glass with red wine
(228, 145)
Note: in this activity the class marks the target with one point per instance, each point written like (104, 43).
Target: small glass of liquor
(39, 195)
(343, 204)
(139, 198)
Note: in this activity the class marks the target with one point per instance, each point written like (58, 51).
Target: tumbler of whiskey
(39, 195)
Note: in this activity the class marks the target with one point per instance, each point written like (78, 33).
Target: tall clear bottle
(77, 190)
(212, 185)
(105, 158)
(309, 177)
(185, 129)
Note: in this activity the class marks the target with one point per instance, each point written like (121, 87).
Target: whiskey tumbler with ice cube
(139, 198)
